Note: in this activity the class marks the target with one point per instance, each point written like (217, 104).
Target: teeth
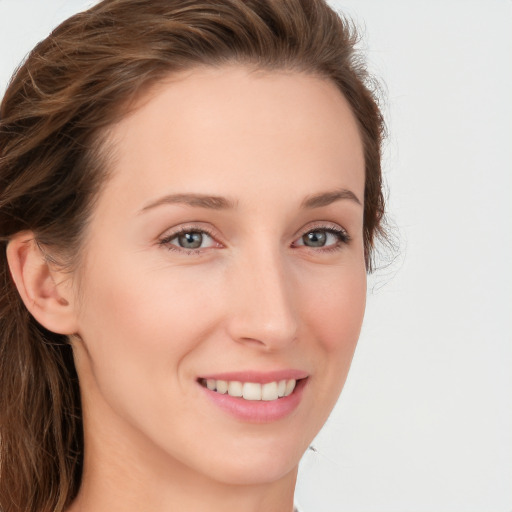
(290, 386)
(222, 386)
(252, 390)
(235, 388)
(269, 391)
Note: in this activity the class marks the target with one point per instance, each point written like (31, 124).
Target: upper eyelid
(168, 235)
(176, 234)
(171, 233)
(165, 240)
(340, 233)
(319, 225)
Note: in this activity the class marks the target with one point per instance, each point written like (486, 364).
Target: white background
(425, 420)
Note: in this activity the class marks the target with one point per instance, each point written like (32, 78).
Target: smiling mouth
(253, 391)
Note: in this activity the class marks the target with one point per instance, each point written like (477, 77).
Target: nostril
(252, 341)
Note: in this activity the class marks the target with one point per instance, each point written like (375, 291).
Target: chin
(259, 472)
(258, 462)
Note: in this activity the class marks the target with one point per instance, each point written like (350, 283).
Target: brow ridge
(221, 203)
(326, 198)
(194, 200)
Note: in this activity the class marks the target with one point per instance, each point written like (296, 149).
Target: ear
(45, 290)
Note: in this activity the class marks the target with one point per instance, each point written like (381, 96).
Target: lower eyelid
(341, 235)
(167, 240)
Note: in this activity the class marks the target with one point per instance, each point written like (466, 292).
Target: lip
(258, 377)
(257, 411)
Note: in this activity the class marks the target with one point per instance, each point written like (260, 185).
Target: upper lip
(257, 376)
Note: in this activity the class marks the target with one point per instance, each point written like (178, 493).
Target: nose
(261, 309)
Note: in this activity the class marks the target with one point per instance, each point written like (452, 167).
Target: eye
(189, 240)
(326, 238)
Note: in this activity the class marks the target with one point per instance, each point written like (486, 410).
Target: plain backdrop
(424, 423)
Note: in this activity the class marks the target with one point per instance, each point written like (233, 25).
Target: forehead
(213, 127)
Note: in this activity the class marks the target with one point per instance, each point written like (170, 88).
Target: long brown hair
(71, 88)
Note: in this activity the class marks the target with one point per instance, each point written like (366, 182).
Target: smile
(269, 391)
(255, 397)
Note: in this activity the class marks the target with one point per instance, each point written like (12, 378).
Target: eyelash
(342, 236)
(166, 241)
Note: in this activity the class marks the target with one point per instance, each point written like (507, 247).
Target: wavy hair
(75, 84)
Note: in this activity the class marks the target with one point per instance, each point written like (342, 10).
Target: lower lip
(258, 411)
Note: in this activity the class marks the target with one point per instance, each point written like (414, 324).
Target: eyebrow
(194, 200)
(327, 198)
(222, 203)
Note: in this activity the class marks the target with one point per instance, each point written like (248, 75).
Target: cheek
(134, 315)
(334, 317)
(337, 310)
(138, 330)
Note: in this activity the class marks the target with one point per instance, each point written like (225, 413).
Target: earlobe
(41, 287)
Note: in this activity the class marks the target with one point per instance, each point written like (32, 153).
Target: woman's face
(225, 252)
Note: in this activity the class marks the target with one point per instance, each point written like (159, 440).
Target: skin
(151, 317)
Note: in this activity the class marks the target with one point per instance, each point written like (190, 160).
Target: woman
(190, 194)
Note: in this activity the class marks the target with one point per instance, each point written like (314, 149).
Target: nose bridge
(262, 308)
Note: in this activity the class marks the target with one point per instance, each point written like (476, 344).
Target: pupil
(315, 238)
(190, 240)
